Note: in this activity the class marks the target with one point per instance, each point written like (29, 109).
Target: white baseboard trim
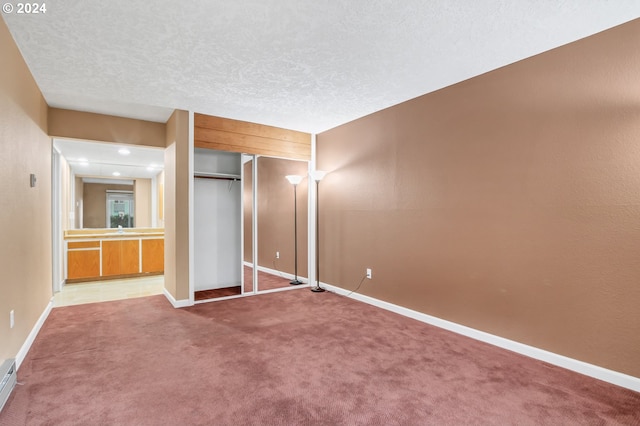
(24, 350)
(614, 377)
(176, 303)
(285, 275)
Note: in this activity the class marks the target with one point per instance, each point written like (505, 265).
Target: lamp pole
(317, 176)
(295, 180)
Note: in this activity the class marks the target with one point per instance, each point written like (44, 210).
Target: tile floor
(103, 291)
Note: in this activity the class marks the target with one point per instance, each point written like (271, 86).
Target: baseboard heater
(8, 379)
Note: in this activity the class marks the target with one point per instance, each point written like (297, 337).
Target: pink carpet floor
(266, 281)
(288, 358)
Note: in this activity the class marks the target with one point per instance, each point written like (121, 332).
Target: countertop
(101, 234)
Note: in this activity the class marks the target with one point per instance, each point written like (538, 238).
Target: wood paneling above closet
(250, 138)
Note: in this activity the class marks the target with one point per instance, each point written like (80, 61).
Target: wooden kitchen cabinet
(83, 260)
(153, 255)
(104, 254)
(120, 257)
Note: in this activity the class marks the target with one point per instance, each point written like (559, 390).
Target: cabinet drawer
(83, 244)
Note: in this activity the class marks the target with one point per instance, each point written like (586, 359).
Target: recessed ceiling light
(82, 160)
(150, 168)
(116, 173)
(124, 151)
(84, 163)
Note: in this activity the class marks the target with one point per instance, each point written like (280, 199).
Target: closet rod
(214, 176)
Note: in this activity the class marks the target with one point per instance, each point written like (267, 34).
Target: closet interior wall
(217, 219)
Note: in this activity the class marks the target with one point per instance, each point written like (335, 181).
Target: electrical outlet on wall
(277, 255)
(12, 319)
(369, 273)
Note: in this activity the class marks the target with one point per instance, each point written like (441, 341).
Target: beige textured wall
(107, 128)
(275, 215)
(176, 201)
(78, 203)
(25, 148)
(160, 200)
(142, 202)
(67, 221)
(509, 203)
(66, 201)
(170, 210)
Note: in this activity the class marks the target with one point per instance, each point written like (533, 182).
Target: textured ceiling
(298, 64)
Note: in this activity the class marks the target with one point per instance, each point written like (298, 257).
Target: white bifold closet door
(217, 262)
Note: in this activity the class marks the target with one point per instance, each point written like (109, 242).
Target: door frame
(57, 265)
